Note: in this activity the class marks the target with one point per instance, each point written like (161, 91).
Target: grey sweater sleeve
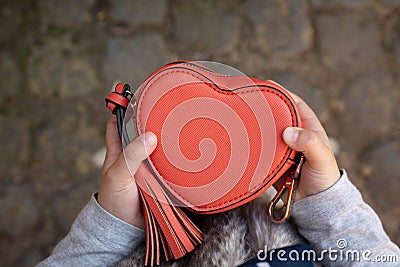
(343, 229)
(96, 238)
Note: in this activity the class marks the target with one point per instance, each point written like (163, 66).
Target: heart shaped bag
(219, 146)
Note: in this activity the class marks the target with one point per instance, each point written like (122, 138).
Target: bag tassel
(168, 229)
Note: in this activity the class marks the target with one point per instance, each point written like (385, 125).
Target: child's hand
(320, 170)
(118, 192)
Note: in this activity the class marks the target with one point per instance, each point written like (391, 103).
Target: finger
(309, 120)
(133, 155)
(318, 155)
(113, 143)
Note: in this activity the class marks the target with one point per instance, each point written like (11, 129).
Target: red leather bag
(219, 146)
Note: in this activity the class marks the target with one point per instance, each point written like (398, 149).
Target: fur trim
(232, 237)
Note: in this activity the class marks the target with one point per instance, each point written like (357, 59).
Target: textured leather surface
(220, 137)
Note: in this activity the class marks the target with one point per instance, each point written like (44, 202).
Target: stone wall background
(58, 60)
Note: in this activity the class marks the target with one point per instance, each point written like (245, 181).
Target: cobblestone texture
(280, 26)
(11, 17)
(11, 76)
(369, 94)
(15, 149)
(348, 40)
(71, 13)
(138, 12)
(132, 59)
(59, 65)
(206, 25)
(59, 59)
(340, 3)
(18, 210)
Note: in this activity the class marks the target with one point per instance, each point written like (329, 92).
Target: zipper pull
(289, 185)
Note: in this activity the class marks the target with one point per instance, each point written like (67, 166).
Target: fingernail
(291, 135)
(150, 139)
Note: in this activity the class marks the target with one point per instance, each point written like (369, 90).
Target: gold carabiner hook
(289, 185)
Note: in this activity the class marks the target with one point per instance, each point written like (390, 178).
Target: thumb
(133, 155)
(139, 150)
(318, 155)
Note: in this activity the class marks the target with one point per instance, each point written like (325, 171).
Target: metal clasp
(289, 185)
